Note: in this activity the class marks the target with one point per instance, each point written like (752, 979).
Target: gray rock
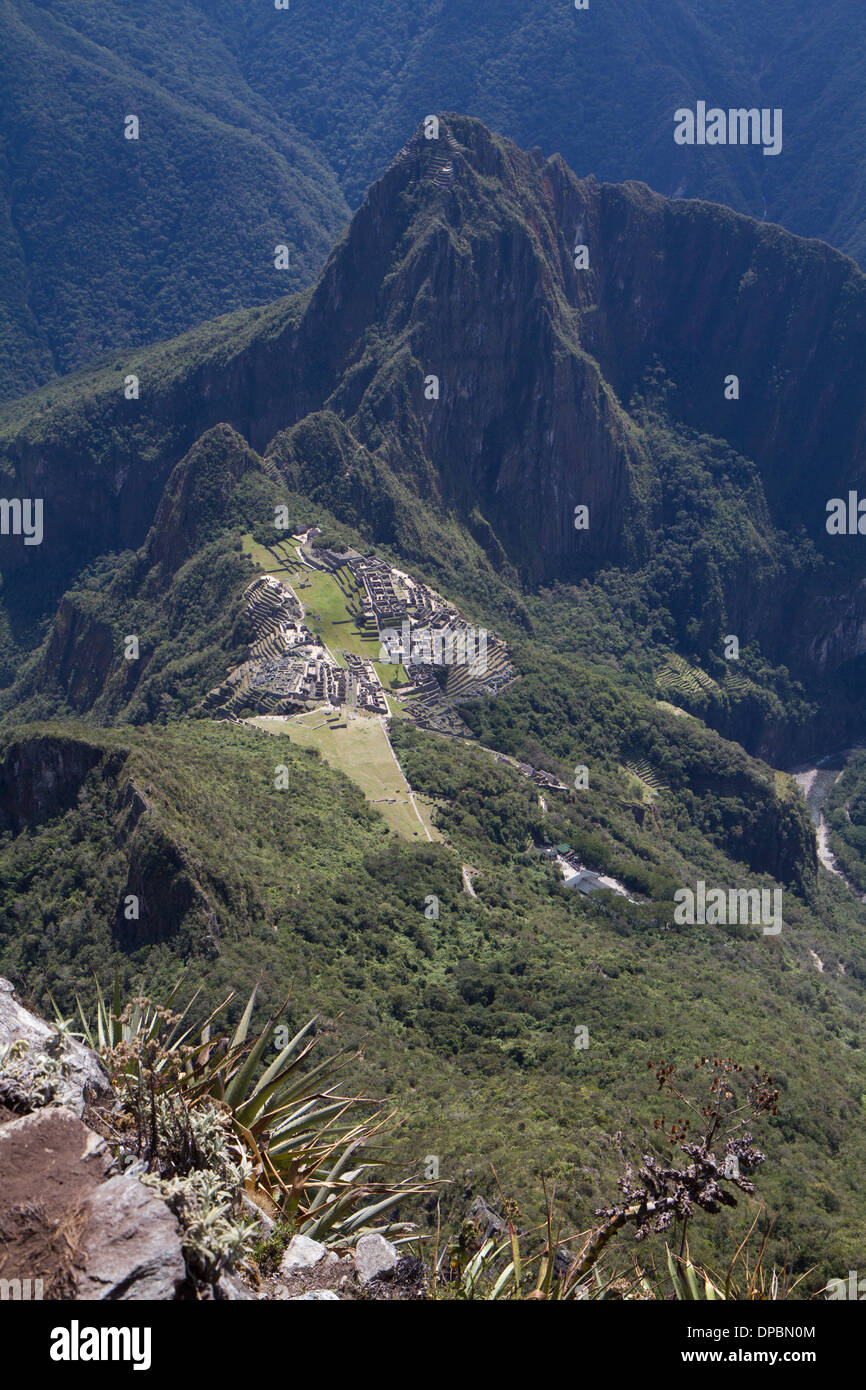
(489, 1221)
(316, 1294)
(50, 1162)
(301, 1253)
(229, 1288)
(267, 1224)
(79, 1142)
(131, 1247)
(49, 1156)
(84, 1076)
(374, 1257)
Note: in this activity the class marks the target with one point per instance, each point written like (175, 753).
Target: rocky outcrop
(162, 895)
(50, 1163)
(163, 898)
(490, 1225)
(41, 777)
(130, 1246)
(76, 1078)
(836, 627)
(70, 1227)
(74, 1228)
(198, 497)
(64, 1222)
(79, 654)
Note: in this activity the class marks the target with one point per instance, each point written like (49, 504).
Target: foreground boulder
(67, 1224)
(130, 1245)
(375, 1258)
(301, 1253)
(59, 1070)
(50, 1163)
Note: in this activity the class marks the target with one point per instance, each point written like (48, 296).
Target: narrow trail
(405, 779)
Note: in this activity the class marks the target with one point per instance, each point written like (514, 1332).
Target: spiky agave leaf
(297, 1134)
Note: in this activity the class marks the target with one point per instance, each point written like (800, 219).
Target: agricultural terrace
(332, 603)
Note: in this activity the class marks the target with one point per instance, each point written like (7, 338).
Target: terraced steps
(677, 676)
(645, 774)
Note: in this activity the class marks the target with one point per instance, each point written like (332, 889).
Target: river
(816, 782)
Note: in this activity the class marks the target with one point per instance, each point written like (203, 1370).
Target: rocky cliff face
(709, 293)
(160, 892)
(79, 654)
(482, 368)
(41, 777)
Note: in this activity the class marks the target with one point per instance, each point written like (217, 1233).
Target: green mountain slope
(259, 127)
(106, 241)
(469, 1019)
(138, 834)
(558, 389)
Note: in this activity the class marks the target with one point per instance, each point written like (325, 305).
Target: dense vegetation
(258, 130)
(107, 242)
(129, 795)
(846, 816)
(470, 1017)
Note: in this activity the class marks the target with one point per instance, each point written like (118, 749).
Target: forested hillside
(257, 131)
(108, 242)
(470, 1019)
(441, 404)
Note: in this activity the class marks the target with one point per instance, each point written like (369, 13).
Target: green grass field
(330, 603)
(363, 752)
(279, 558)
(327, 607)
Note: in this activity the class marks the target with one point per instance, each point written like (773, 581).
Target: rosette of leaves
(302, 1138)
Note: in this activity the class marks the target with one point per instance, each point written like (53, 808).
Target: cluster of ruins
(419, 630)
(289, 668)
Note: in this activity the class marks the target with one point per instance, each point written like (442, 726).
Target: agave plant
(300, 1137)
(522, 1276)
(746, 1279)
(690, 1284)
(499, 1269)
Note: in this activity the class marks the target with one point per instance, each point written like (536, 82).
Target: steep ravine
(816, 781)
